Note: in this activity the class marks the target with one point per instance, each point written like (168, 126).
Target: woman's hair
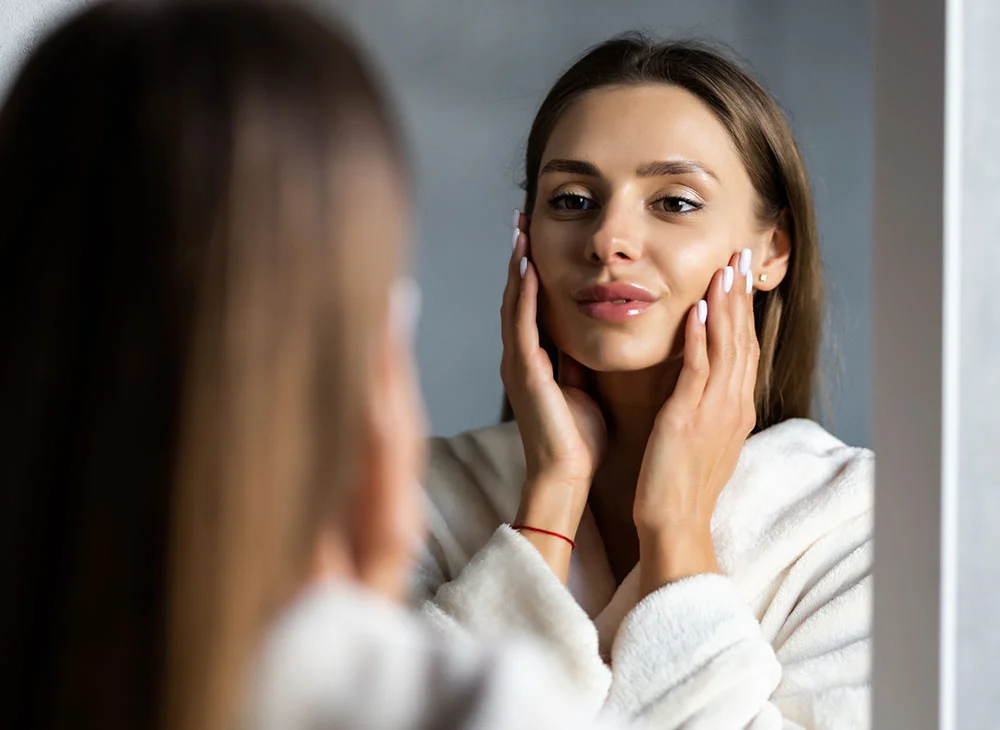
(186, 337)
(788, 317)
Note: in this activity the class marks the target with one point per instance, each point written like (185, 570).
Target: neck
(631, 400)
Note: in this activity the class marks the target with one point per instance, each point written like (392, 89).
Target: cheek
(688, 266)
(551, 250)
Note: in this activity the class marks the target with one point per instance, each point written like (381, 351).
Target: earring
(763, 278)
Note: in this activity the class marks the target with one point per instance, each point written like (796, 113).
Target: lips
(614, 302)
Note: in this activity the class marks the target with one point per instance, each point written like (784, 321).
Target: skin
(649, 416)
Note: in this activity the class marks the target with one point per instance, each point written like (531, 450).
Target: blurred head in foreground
(206, 382)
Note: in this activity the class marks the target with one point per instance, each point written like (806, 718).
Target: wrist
(674, 552)
(553, 504)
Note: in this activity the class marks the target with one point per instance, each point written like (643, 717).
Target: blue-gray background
(468, 77)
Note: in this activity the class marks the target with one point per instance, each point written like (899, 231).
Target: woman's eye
(677, 204)
(572, 201)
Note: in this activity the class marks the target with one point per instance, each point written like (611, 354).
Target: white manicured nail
(745, 255)
(513, 243)
(524, 265)
(727, 279)
(517, 218)
(749, 282)
(703, 311)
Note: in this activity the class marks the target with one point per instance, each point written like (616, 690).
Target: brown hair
(788, 317)
(185, 347)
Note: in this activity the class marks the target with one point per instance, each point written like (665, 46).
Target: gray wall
(817, 59)
(468, 77)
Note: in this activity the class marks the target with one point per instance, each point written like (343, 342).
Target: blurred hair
(788, 317)
(185, 349)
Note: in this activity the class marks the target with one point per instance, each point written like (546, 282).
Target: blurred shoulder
(341, 656)
(487, 461)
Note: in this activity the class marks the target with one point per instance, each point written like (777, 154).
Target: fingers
(522, 351)
(694, 374)
(722, 352)
(519, 249)
(733, 350)
(526, 324)
(508, 307)
(738, 316)
(522, 220)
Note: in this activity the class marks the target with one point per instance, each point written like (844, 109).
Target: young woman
(663, 305)
(212, 436)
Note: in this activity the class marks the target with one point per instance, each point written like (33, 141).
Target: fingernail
(727, 279)
(404, 307)
(516, 223)
(703, 311)
(745, 255)
(524, 265)
(513, 243)
(749, 282)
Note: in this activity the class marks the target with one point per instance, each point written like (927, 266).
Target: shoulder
(473, 484)
(484, 465)
(803, 436)
(341, 656)
(799, 456)
(795, 484)
(309, 665)
(494, 449)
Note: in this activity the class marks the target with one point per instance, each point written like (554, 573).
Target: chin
(607, 351)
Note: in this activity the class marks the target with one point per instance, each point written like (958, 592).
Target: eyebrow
(573, 167)
(657, 168)
(660, 168)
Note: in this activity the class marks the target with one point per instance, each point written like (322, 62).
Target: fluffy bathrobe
(781, 639)
(341, 658)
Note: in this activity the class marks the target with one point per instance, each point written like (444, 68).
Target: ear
(774, 252)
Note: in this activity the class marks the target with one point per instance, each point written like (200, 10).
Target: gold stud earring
(763, 278)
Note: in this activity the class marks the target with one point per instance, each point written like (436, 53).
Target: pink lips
(613, 302)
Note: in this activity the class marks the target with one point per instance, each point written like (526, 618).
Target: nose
(617, 238)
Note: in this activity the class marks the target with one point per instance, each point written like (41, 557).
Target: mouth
(614, 302)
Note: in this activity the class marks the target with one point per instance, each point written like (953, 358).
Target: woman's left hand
(699, 433)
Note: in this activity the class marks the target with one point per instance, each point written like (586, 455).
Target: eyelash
(694, 205)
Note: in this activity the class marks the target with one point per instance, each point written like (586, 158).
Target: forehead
(629, 125)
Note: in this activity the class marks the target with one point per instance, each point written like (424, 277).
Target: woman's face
(639, 186)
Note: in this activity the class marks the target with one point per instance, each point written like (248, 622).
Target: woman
(662, 305)
(212, 432)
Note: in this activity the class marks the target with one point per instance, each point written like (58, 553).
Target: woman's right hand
(562, 428)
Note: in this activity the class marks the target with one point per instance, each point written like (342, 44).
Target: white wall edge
(951, 341)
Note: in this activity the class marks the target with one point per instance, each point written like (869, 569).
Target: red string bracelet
(572, 544)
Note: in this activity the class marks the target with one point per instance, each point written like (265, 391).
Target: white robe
(342, 658)
(780, 640)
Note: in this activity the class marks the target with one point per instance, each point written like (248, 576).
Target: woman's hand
(562, 428)
(699, 433)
